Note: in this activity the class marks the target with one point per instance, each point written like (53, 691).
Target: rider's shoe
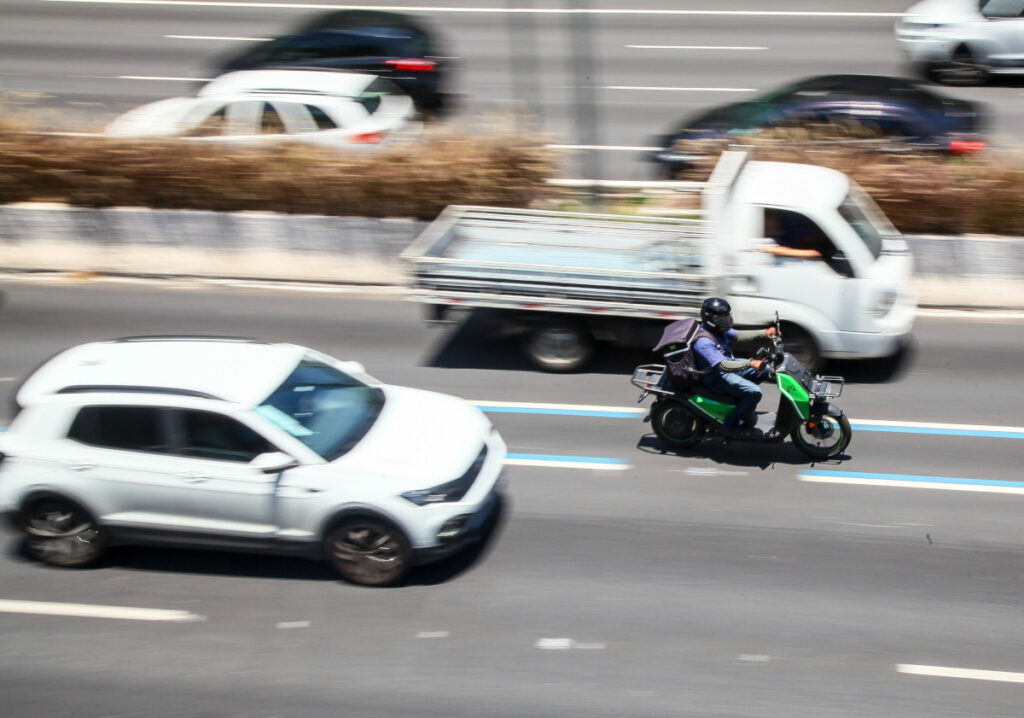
(749, 420)
(743, 433)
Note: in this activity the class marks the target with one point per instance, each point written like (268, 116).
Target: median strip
(910, 481)
(82, 610)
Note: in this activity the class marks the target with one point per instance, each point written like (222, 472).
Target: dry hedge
(921, 193)
(416, 180)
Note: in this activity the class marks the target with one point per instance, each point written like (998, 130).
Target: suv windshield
(324, 408)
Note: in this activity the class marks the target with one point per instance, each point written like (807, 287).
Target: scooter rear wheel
(675, 425)
(829, 436)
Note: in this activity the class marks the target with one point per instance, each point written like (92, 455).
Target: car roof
(240, 371)
(326, 82)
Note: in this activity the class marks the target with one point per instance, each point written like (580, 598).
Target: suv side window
(131, 428)
(208, 435)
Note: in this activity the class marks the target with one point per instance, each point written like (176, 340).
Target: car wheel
(61, 533)
(801, 345)
(368, 551)
(559, 346)
(962, 69)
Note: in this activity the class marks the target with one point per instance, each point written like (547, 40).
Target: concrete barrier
(981, 272)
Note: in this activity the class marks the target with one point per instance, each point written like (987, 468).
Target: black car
(392, 45)
(905, 113)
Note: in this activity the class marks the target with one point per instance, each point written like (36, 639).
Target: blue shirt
(709, 353)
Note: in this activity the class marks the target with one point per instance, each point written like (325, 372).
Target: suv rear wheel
(962, 69)
(61, 533)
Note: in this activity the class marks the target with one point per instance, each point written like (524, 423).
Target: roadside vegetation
(921, 193)
(410, 180)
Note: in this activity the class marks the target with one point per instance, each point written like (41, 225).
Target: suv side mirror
(273, 462)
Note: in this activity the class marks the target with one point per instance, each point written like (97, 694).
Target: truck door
(795, 261)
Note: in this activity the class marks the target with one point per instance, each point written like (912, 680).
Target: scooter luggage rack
(650, 378)
(827, 387)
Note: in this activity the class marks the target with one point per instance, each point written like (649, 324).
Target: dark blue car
(906, 113)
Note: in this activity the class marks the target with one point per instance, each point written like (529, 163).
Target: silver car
(964, 42)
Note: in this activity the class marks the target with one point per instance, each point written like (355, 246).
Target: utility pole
(526, 81)
(584, 75)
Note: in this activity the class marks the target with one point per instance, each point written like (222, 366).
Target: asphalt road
(77, 63)
(622, 580)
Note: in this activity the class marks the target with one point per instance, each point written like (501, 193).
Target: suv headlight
(451, 490)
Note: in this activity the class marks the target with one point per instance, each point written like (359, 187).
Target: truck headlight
(450, 490)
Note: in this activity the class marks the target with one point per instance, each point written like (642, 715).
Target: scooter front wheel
(675, 425)
(824, 437)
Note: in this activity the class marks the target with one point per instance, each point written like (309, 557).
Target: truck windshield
(867, 220)
(325, 409)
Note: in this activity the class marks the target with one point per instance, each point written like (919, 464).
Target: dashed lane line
(82, 610)
(968, 673)
(910, 481)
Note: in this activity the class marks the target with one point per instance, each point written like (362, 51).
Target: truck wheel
(559, 346)
(61, 533)
(368, 551)
(802, 346)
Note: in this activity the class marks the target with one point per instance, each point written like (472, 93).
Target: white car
(268, 106)
(963, 42)
(239, 444)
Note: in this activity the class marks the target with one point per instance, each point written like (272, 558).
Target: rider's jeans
(739, 385)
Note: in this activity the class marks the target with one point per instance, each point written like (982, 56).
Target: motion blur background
(624, 581)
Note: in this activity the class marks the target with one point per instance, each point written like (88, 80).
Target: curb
(950, 272)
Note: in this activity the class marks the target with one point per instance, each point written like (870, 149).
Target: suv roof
(241, 371)
(327, 82)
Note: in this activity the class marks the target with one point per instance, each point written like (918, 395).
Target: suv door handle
(194, 477)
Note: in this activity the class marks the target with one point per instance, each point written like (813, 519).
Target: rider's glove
(757, 364)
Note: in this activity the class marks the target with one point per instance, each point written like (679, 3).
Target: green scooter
(683, 417)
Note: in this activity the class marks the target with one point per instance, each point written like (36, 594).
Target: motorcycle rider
(725, 374)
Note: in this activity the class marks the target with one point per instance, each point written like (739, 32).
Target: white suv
(239, 444)
(962, 42)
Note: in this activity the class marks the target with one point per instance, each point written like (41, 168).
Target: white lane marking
(219, 37)
(708, 471)
(557, 407)
(495, 10)
(83, 610)
(155, 78)
(647, 88)
(738, 48)
(754, 657)
(6, 378)
(895, 483)
(294, 624)
(937, 425)
(567, 464)
(554, 644)
(615, 148)
(969, 673)
(433, 634)
(567, 644)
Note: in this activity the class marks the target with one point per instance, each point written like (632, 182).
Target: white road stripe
(218, 37)
(936, 425)
(493, 10)
(969, 673)
(679, 89)
(557, 407)
(738, 48)
(895, 483)
(82, 610)
(593, 465)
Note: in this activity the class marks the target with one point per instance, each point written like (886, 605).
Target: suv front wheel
(368, 551)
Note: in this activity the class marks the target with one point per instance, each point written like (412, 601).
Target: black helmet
(716, 313)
